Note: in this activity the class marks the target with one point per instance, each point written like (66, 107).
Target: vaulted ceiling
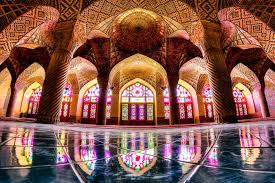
(31, 24)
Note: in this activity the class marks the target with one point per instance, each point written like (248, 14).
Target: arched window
(109, 103)
(166, 104)
(208, 102)
(137, 103)
(34, 101)
(185, 104)
(240, 102)
(66, 103)
(90, 101)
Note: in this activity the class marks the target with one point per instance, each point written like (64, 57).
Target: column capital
(212, 36)
(64, 35)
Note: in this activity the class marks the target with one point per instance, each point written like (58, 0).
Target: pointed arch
(81, 97)
(235, 36)
(145, 102)
(4, 90)
(83, 70)
(248, 96)
(193, 93)
(26, 97)
(137, 66)
(270, 91)
(22, 25)
(35, 73)
(192, 70)
(242, 71)
(258, 29)
(137, 62)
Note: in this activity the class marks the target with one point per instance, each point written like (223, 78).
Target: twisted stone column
(101, 111)
(260, 89)
(56, 75)
(174, 107)
(219, 77)
(12, 100)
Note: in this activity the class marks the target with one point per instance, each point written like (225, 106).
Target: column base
(225, 119)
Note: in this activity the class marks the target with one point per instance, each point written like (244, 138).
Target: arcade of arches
(136, 62)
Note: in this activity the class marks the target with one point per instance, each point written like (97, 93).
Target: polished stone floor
(72, 153)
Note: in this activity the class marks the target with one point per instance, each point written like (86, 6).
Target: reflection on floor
(219, 153)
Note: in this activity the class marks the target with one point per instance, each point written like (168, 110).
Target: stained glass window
(166, 104)
(90, 102)
(208, 102)
(184, 100)
(137, 103)
(66, 102)
(141, 112)
(133, 112)
(150, 112)
(125, 112)
(109, 102)
(240, 102)
(34, 101)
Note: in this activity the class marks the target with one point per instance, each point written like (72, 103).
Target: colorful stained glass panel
(182, 111)
(133, 112)
(108, 111)
(125, 112)
(141, 112)
(184, 99)
(150, 112)
(93, 111)
(240, 101)
(34, 101)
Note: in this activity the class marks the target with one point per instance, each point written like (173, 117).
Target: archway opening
(34, 101)
(4, 91)
(138, 68)
(270, 91)
(90, 101)
(240, 102)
